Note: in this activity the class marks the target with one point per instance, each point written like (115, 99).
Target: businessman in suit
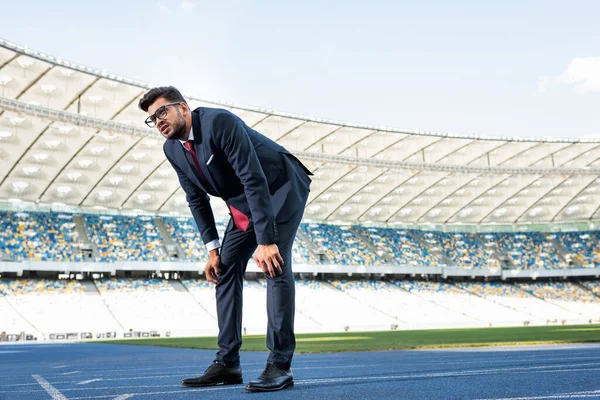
(265, 188)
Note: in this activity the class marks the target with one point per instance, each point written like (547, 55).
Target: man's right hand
(212, 270)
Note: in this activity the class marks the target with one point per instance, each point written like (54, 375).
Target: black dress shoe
(216, 374)
(273, 378)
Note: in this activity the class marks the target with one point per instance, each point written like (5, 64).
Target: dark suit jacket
(247, 170)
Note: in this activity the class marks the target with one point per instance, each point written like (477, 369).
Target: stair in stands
(437, 253)
(172, 248)
(569, 259)
(89, 250)
(387, 258)
(320, 254)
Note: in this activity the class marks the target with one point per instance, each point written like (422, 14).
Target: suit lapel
(199, 140)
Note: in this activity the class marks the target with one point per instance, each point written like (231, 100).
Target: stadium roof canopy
(73, 135)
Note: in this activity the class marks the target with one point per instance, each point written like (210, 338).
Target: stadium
(404, 231)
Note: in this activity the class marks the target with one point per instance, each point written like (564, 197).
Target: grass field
(388, 340)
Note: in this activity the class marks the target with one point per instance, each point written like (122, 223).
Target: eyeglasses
(160, 113)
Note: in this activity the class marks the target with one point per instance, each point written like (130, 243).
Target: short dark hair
(169, 93)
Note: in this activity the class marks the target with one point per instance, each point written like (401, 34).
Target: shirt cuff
(215, 244)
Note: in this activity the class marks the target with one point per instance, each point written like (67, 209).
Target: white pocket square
(210, 159)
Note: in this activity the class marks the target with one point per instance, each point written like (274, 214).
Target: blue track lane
(99, 371)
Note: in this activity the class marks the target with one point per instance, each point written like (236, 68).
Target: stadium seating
(400, 245)
(566, 295)
(301, 253)
(340, 245)
(188, 307)
(459, 307)
(465, 250)
(53, 237)
(585, 246)
(57, 306)
(334, 310)
(155, 305)
(184, 232)
(122, 238)
(537, 310)
(38, 236)
(530, 250)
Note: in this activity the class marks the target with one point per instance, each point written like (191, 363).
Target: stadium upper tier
(61, 236)
(73, 135)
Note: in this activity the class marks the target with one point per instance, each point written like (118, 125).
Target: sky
(501, 68)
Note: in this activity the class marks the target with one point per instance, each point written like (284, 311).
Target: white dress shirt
(215, 244)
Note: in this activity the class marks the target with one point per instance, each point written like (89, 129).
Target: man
(265, 188)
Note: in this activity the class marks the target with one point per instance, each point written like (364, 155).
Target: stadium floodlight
(65, 129)
(66, 71)
(53, 143)
(5, 80)
(500, 212)
(74, 175)
(165, 172)
(115, 180)
(96, 99)
(154, 183)
(64, 190)
(536, 211)
(49, 89)
(25, 62)
(466, 212)
(16, 120)
(105, 194)
(345, 210)
(30, 170)
(19, 186)
(5, 135)
(139, 155)
(41, 156)
(144, 197)
(572, 210)
(96, 150)
(85, 163)
(127, 168)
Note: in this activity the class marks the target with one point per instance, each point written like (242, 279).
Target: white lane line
(96, 388)
(124, 396)
(60, 366)
(51, 390)
(558, 396)
(12, 351)
(297, 365)
(89, 381)
(319, 381)
(70, 373)
(478, 371)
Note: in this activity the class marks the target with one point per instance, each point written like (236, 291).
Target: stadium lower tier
(114, 238)
(109, 308)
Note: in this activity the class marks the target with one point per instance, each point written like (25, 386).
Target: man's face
(172, 124)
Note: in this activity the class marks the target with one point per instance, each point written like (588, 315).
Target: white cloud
(160, 6)
(187, 5)
(583, 73)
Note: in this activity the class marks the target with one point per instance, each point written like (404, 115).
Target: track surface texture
(105, 371)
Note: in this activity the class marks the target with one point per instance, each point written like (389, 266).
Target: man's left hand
(268, 259)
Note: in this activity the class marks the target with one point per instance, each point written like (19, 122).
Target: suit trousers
(236, 250)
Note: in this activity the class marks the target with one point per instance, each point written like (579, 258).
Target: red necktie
(239, 218)
(190, 146)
